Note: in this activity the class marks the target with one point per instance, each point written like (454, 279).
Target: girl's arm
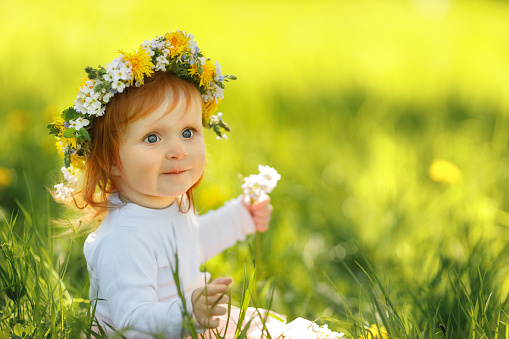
(124, 266)
(222, 228)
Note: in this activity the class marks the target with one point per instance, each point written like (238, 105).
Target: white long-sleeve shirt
(130, 259)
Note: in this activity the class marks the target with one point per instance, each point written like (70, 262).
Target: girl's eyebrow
(155, 125)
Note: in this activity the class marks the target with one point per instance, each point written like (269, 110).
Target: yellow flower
(209, 108)
(445, 172)
(179, 43)
(59, 124)
(83, 83)
(207, 75)
(141, 62)
(77, 163)
(59, 145)
(374, 333)
(5, 177)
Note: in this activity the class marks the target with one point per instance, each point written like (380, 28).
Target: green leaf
(69, 133)
(18, 330)
(92, 73)
(84, 134)
(67, 160)
(70, 114)
(243, 334)
(53, 130)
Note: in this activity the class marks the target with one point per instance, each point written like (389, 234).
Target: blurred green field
(387, 121)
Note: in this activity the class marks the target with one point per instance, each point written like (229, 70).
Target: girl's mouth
(179, 171)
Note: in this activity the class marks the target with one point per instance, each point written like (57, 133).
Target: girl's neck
(153, 203)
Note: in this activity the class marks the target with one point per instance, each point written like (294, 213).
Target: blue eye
(187, 133)
(151, 139)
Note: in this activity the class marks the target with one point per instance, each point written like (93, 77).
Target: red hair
(132, 104)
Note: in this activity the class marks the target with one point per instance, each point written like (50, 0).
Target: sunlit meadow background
(388, 121)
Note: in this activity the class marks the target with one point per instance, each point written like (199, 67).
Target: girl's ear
(115, 170)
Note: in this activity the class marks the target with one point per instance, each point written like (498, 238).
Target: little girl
(133, 152)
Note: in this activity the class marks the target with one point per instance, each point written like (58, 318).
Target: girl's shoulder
(133, 224)
(114, 243)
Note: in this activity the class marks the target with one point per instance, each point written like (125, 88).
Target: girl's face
(162, 155)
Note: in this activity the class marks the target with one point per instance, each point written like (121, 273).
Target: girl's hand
(261, 212)
(207, 300)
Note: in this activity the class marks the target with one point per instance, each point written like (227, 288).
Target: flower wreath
(175, 52)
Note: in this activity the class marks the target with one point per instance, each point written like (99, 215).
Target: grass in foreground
(459, 301)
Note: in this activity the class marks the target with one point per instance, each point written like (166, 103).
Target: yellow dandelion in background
(375, 332)
(141, 62)
(445, 172)
(5, 177)
(18, 121)
(207, 75)
(179, 43)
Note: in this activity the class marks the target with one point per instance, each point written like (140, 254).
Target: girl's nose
(176, 151)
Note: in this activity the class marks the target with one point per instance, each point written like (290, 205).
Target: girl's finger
(210, 323)
(217, 301)
(222, 281)
(262, 218)
(260, 205)
(260, 228)
(218, 310)
(211, 290)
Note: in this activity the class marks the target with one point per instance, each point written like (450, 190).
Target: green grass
(463, 299)
(361, 234)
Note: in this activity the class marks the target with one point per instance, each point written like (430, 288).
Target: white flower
(68, 176)
(194, 47)
(257, 185)
(118, 85)
(91, 102)
(78, 123)
(90, 84)
(62, 147)
(101, 111)
(63, 193)
(109, 77)
(270, 177)
(115, 64)
(161, 63)
(214, 92)
(207, 96)
(107, 97)
(78, 106)
(217, 71)
(148, 47)
(120, 74)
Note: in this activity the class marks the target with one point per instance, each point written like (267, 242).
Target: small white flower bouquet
(258, 185)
